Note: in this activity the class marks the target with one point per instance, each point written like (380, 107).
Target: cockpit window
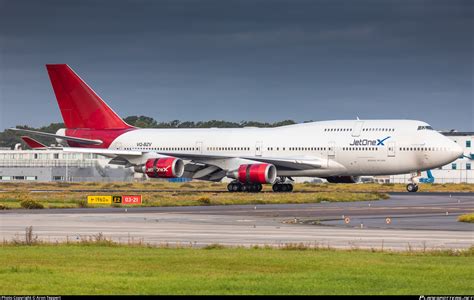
(425, 128)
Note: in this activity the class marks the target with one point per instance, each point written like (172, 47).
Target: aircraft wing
(287, 163)
(202, 166)
(295, 163)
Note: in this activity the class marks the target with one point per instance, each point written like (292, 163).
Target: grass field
(65, 199)
(201, 185)
(190, 194)
(202, 193)
(112, 269)
(468, 218)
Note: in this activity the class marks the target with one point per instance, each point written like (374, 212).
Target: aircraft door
(331, 150)
(357, 128)
(258, 148)
(199, 147)
(391, 149)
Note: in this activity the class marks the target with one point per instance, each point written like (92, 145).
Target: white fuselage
(345, 148)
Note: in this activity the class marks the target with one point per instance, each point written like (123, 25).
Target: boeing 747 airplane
(340, 151)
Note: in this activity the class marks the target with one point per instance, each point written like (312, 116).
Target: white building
(55, 165)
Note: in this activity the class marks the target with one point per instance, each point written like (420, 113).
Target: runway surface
(420, 221)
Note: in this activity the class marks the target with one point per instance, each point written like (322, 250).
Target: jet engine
(343, 179)
(162, 167)
(254, 173)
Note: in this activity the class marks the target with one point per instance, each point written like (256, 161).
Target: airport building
(55, 165)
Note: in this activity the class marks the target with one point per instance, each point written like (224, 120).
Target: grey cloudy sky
(244, 60)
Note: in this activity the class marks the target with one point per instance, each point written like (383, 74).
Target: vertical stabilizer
(80, 106)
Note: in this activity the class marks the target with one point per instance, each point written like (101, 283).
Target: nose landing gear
(413, 186)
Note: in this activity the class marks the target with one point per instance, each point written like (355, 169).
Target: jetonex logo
(366, 142)
(380, 142)
(159, 170)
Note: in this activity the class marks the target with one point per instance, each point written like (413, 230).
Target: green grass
(202, 193)
(12, 200)
(202, 185)
(468, 218)
(94, 269)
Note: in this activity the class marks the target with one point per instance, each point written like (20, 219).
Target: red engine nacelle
(256, 173)
(164, 167)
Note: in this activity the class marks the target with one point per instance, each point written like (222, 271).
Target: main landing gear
(237, 186)
(413, 186)
(281, 186)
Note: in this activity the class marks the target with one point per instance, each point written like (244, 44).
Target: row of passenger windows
(228, 148)
(273, 148)
(284, 149)
(165, 148)
(360, 149)
(296, 148)
(364, 129)
(423, 149)
(268, 148)
(337, 129)
(378, 129)
(401, 148)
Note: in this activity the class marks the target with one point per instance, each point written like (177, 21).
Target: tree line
(9, 138)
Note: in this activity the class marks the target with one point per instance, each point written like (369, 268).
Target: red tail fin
(80, 106)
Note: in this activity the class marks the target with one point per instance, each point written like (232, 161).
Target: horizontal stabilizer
(32, 143)
(63, 137)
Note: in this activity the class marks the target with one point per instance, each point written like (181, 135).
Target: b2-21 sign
(132, 199)
(125, 199)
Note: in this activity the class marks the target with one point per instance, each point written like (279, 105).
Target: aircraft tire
(412, 188)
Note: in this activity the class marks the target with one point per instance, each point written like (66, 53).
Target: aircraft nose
(457, 151)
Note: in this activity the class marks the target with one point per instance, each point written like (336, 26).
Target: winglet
(34, 144)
